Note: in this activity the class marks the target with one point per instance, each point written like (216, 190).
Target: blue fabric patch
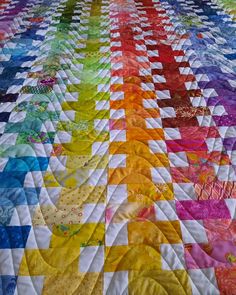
(27, 164)
(19, 196)
(6, 213)
(4, 116)
(12, 179)
(13, 236)
(15, 197)
(25, 126)
(230, 56)
(7, 285)
(5, 84)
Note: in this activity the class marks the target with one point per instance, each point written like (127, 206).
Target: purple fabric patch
(227, 120)
(206, 209)
(230, 143)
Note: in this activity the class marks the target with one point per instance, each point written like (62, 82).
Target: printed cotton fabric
(117, 147)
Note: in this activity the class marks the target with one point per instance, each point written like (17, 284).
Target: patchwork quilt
(117, 147)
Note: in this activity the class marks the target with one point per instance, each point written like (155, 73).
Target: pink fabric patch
(185, 145)
(210, 255)
(207, 209)
(220, 230)
(196, 174)
(198, 133)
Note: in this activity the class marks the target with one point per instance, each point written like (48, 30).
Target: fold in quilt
(117, 147)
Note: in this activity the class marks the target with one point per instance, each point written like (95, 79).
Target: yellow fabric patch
(67, 178)
(86, 162)
(159, 282)
(132, 258)
(154, 233)
(74, 236)
(149, 193)
(63, 214)
(83, 194)
(76, 284)
(49, 261)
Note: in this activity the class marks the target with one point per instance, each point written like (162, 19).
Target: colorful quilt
(117, 147)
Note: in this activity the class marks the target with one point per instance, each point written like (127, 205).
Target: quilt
(117, 147)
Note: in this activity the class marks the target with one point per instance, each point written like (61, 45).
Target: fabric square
(152, 53)
(57, 163)
(8, 284)
(147, 86)
(67, 116)
(10, 260)
(200, 278)
(172, 133)
(184, 191)
(178, 159)
(172, 256)
(157, 146)
(42, 150)
(116, 161)
(116, 234)
(225, 279)
(17, 117)
(193, 231)
(153, 123)
(25, 164)
(97, 177)
(4, 116)
(165, 210)
(205, 121)
(198, 101)
(214, 144)
(227, 131)
(204, 209)
(103, 87)
(150, 104)
(163, 94)
(102, 105)
(167, 112)
(159, 79)
(8, 138)
(49, 126)
(29, 285)
(117, 193)
(115, 280)
(22, 215)
(160, 175)
(116, 96)
(156, 65)
(9, 97)
(93, 213)
(117, 135)
(218, 110)
(117, 114)
(49, 195)
(101, 125)
(13, 236)
(33, 179)
(39, 237)
(91, 259)
(100, 148)
(225, 172)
